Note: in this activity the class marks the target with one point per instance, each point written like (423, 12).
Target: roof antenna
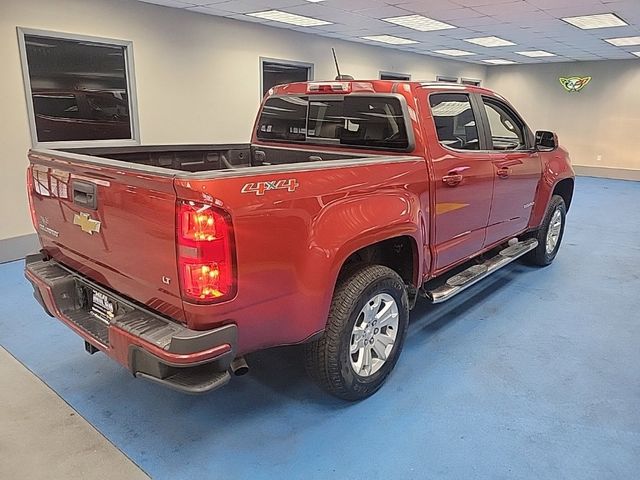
(340, 76)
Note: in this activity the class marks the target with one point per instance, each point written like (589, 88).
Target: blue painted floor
(534, 373)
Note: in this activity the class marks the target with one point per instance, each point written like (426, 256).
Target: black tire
(539, 256)
(328, 359)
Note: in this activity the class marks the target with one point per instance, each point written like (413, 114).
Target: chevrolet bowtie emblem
(86, 223)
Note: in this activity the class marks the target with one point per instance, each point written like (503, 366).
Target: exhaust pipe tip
(239, 367)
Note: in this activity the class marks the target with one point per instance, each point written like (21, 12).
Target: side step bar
(463, 280)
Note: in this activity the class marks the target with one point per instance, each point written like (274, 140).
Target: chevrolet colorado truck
(353, 199)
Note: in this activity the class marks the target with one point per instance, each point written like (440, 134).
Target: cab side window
(507, 130)
(454, 120)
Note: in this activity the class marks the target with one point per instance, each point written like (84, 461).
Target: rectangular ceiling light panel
(290, 18)
(490, 41)
(536, 54)
(624, 41)
(454, 53)
(390, 39)
(418, 22)
(499, 61)
(589, 22)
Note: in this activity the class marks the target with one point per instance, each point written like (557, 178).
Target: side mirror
(546, 141)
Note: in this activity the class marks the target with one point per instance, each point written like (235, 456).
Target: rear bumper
(149, 345)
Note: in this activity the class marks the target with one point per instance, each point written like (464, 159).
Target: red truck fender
(557, 178)
(354, 223)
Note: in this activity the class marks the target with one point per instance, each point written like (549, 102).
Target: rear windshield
(375, 122)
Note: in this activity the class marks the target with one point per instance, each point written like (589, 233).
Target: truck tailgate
(113, 225)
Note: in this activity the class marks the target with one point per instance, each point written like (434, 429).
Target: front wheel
(550, 234)
(364, 335)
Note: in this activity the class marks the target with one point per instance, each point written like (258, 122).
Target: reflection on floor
(532, 373)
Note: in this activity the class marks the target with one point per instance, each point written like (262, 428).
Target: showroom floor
(532, 374)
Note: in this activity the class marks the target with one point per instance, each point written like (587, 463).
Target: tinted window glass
(79, 89)
(284, 118)
(108, 105)
(454, 120)
(62, 106)
(357, 120)
(326, 119)
(374, 121)
(274, 73)
(507, 131)
(394, 76)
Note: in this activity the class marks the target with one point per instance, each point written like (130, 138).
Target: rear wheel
(550, 234)
(364, 336)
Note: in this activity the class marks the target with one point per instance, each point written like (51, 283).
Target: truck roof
(369, 86)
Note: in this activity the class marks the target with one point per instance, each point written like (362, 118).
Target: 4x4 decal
(259, 188)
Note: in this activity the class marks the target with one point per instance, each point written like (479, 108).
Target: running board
(463, 280)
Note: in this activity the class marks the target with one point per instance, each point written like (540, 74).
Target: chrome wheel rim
(374, 334)
(553, 233)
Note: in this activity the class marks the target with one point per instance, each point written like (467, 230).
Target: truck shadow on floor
(282, 369)
(276, 385)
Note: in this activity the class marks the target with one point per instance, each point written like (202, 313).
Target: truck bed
(111, 215)
(208, 158)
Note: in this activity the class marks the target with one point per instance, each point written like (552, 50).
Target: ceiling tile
(531, 24)
(172, 3)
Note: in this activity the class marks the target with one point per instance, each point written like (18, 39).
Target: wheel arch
(399, 253)
(549, 187)
(564, 188)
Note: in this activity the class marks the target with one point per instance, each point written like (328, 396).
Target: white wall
(600, 125)
(198, 76)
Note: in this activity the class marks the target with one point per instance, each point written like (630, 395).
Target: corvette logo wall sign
(574, 84)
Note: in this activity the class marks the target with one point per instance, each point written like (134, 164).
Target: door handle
(452, 180)
(503, 172)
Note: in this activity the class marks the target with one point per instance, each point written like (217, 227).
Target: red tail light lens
(205, 256)
(198, 224)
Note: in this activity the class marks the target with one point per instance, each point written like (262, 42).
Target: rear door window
(454, 120)
(363, 121)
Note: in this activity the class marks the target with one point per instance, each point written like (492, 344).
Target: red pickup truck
(353, 199)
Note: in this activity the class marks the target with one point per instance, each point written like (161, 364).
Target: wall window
(446, 78)
(79, 89)
(395, 76)
(470, 81)
(454, 120)
(276, 72)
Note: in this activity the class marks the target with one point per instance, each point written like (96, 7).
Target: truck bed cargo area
(208, 158)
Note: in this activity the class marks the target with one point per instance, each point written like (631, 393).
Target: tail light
(205, 256)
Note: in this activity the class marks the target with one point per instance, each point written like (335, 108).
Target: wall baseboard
(607, 172)
(16, 248)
